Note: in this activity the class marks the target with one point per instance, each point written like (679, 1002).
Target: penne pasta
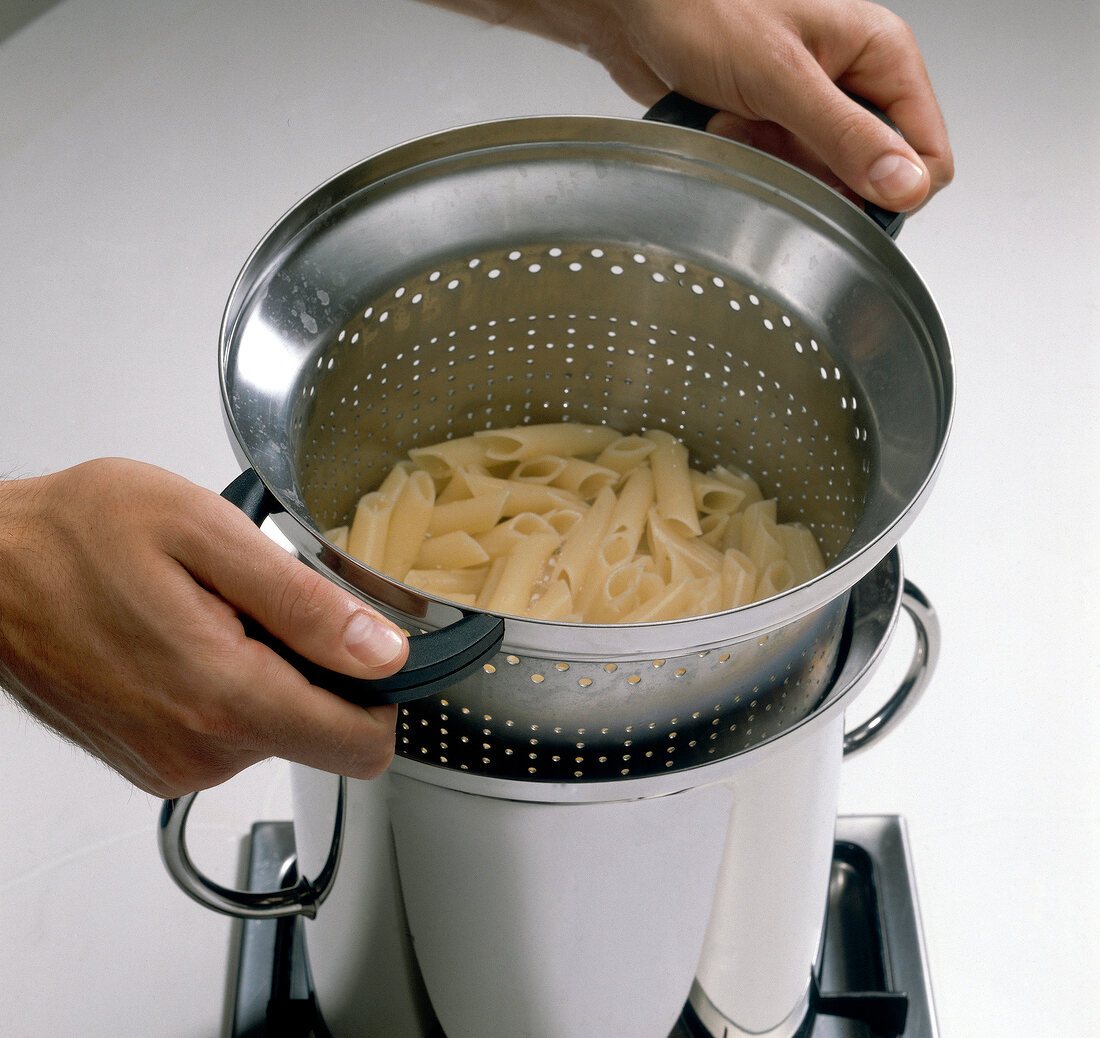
(454, 550)
(713, 495)
(738, 579)
(503, 538)
(672, 482)
(582, 542)
(458, 485)
(742, 481)
(554, 602)
(539, 470)
(442, 459)
(519, 577)
(625, 454)
(565, 439)
(472, 515)
(521, 497)
(758, 534)
(450, 583)
(628, 518)
(574, 523)
(369, 526)
(409, 522)
(672, 602)
(584, 478)
(338, 536)
(492, 581)
(801, 550)
(624, 589)
(395, 480)
(677, 556)
(564, 519)
(777, 576)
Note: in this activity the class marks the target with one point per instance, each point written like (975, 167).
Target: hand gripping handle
(436, 660)
(678, 110)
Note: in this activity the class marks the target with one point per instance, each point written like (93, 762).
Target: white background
(145, 146)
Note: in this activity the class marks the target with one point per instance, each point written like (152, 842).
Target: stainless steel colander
(597, 270)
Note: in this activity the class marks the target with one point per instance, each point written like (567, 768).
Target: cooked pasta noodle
(577, 523)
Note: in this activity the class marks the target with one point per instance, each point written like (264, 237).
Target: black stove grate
(872, 981)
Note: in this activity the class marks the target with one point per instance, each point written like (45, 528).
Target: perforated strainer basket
(596, 270)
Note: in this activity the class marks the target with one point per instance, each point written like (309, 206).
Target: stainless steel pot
(586, 901)
(643, 276)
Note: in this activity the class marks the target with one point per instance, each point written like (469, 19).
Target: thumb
(300, 607)
(867, 154)
(896, 176)
(322, 622)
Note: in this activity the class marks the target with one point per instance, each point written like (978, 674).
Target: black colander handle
(678, 110)
(436, 660)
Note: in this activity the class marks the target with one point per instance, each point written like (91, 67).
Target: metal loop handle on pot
(912, 686)
(300, 899)
(678, 110)
(436, 660)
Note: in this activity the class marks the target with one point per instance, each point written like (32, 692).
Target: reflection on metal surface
(872, 981)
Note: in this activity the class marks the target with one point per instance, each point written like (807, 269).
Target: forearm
(594, 27)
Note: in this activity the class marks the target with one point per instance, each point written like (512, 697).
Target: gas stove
(871, 982)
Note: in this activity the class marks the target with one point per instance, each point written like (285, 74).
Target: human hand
(120, 589)
(772, 69)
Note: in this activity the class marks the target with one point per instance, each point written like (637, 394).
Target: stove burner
(872, 981)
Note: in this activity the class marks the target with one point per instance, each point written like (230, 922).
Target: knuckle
(850, 133)
(304, 600)
(370, 754)
(898, 31)
(377, 761)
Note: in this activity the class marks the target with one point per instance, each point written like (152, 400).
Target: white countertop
(145, 146)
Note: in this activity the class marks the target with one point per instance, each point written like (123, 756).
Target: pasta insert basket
(595, 270)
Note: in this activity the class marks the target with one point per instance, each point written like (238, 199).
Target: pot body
(587, 904)
(766, 920)
(360, 954)
(586, 916)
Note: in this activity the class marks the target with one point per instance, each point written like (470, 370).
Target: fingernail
(371, 641)
(895, 176)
